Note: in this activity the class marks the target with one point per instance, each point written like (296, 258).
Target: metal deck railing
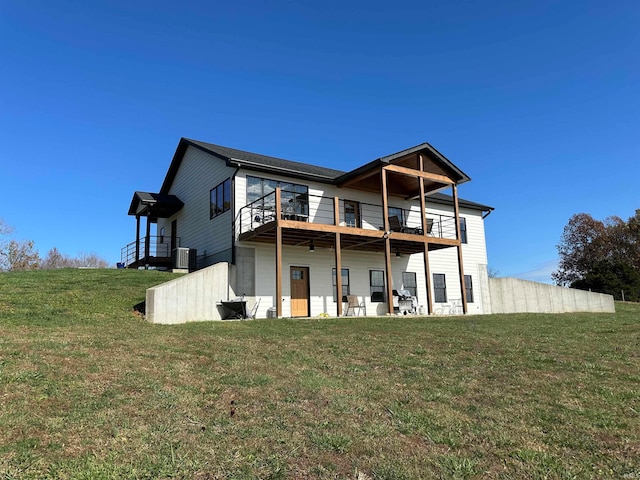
(320, 210)
(159, 247)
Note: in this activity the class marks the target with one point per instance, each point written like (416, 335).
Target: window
(220, 199)
(463, 230)
(409, 283)
(352, 213)
(439, 288)
(162, 235)
(376, 285)
(468, 288)
(346, 290)
(294, 197)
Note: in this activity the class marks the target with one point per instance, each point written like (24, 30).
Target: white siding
(320, 265)
(474, 253)
(199, 172)
(359, 264)
(322, 261)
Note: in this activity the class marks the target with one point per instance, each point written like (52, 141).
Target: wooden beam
(278, 256)
(427, 277)
(360, 177)
(267, 233)
(338, 255)
(387, 241)
(456, 210)
(319, 227)
(417, 173)
(423, 210)
(385, 201)
(387, 265)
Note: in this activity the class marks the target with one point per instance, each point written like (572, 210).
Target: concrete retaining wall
(191, 298)
(511, 295)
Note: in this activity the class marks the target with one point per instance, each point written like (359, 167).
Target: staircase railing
(158, 248)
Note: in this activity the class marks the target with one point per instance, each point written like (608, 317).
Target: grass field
(89, 390)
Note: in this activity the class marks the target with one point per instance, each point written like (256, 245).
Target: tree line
(16, 255)
(602, 256)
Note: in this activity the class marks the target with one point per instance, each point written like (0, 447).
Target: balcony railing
(159, 247)
(320, 210)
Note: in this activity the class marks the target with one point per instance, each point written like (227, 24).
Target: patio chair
(353, 303)
(430, 226)
(456, 307)
(394, 224)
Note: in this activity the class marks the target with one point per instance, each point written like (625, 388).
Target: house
(285, 229)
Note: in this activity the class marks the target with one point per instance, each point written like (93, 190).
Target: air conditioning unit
(184, 258)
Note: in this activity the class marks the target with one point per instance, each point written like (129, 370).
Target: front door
(299, 291)
(352, 213)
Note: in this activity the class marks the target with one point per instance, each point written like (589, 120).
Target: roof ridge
(247, 157)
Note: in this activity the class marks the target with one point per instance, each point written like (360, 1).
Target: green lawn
(89, 390)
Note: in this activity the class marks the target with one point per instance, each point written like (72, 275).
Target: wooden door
(352, 213)
(299, 278)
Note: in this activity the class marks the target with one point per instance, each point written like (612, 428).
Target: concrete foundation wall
(191, 298)
(512, 295)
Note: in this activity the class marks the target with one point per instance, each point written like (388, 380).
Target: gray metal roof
(265, 162)
(445, 199)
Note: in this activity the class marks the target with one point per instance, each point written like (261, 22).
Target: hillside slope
(89, 390)
(73, 296)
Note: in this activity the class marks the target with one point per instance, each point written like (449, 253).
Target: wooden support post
(278, 254)
(427, 277)
(423, 209)
(387, 241)
(456, 210)
(338, 255)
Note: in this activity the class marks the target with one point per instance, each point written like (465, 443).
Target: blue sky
(537, 101)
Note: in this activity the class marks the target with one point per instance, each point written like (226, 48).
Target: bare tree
(4, 228)
(55, 259)
(20, 256)
(15, 255)
(91, 260)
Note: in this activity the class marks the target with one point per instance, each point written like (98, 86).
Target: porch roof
(365, 177)
(154, 205)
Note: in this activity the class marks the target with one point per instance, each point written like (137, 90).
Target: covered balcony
(151, 251)
(311, 219)
(300, 219)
